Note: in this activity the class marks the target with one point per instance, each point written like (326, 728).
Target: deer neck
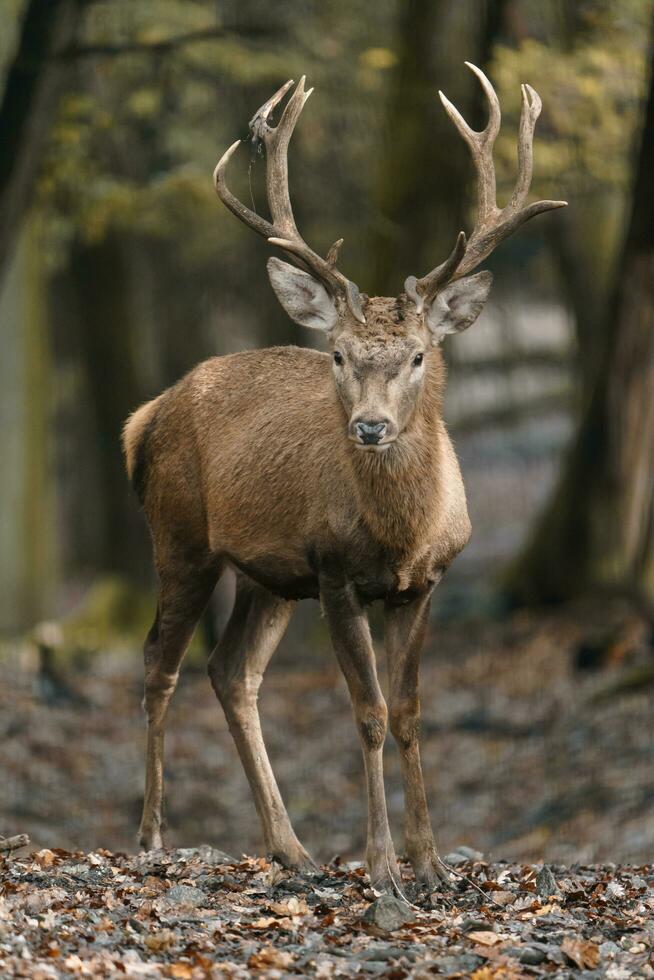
(398, 491)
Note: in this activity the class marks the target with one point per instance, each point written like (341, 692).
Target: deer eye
(418, 359)
(338, 357)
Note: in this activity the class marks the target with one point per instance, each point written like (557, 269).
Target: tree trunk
(598, 529)
(107, 341)
(29, 103)
(422, 185)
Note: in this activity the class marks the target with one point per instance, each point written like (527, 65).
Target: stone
(546, 882)
(186, 895)
(470, 924)
(454, 858)
(388, 913)
(212, 856)
(532, 956)
(469, 853)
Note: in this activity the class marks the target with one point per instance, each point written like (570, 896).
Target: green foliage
(112, 611)
(136, 141)
(593, 93)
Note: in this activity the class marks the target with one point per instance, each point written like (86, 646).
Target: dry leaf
(181, 971)
(159, 940)
(294, 906)
(485, 938)
(504, 898)
(44, 899)
(44, 858)
(268, 956)
(501, 971)
(584, 953)
(264, 922)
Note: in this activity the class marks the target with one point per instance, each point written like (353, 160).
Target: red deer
(318, 475)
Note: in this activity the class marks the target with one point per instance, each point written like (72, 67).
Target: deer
(324, 475)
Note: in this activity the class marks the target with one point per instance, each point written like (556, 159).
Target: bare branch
(13, 843)
(162, 46)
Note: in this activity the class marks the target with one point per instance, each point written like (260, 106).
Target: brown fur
(251, 460)
(279, 487)
(133, 432)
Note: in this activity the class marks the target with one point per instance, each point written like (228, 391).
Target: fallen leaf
(181, 971)
(44, 858)
(504, 898)
(294, 906)
(265, 922)
(268, 956)
(583, 953)
(485, 938)
(157, 941)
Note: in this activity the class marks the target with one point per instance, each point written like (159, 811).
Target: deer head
(381, 347)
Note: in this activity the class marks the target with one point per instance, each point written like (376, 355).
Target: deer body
(329, 476)
(393, 522)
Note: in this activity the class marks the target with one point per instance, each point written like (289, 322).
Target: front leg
(405, 627)
(350, 635)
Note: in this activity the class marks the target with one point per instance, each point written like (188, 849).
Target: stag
(319, 475)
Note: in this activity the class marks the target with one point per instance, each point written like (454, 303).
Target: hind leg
(257, 624)
(185, 586)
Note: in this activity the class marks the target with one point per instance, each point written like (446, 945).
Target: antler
(283, 231)
(493, 224)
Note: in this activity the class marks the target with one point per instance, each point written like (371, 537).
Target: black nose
(370, 433)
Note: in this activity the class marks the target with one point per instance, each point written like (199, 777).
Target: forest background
(119, 271)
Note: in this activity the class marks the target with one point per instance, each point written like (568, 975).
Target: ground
(538, 751)
(197, 913)
(526, 756)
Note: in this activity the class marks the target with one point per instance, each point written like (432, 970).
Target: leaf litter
(197, 913)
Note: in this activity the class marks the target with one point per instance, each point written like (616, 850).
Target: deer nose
(370, 433)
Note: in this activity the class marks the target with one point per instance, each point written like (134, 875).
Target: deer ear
(305, 299)
(457, 306)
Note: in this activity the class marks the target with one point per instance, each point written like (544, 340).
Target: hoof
(295, 858)
(150, 840)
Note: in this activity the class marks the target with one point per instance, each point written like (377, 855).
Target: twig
(13, 843)
(474, 884)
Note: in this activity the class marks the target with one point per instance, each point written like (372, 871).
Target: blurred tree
(598, 529)
(421, 192)
(32, 90)
(588, 61)
(159, 91)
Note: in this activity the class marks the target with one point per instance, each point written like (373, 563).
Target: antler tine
(248, 217)
(493, 224)
(481, 145)
(276, 141)
(283, 230)
(529, 113)
(441, 274)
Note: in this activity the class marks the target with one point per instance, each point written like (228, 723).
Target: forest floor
(538, 746)
(197, 913)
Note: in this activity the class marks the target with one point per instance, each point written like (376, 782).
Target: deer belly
(289, 580)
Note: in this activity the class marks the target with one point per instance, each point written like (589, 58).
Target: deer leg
(236, 668)
(405, 627)
(353, 645)
(184, 590)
